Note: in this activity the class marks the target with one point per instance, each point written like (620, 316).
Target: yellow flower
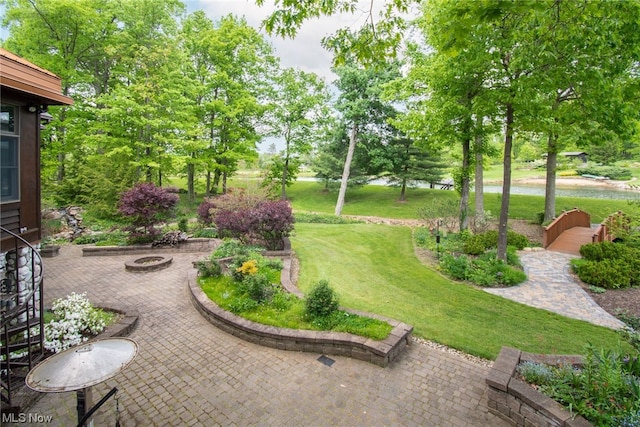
(248, 267)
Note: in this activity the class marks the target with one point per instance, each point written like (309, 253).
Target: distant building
(572, 155)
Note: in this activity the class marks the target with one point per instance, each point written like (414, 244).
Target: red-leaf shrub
(250, 218)
(272, 220)
(235, 224)
(146, 205)
(205, 211)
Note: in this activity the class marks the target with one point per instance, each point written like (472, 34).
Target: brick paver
(189, 373)
(551, 286)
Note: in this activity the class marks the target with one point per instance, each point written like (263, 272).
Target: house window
(9, 158)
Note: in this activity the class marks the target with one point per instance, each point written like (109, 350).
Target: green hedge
(608, 265)
(611, 172)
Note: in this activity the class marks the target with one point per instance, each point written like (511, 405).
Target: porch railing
(21, 322)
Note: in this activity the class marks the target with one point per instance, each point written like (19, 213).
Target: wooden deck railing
(567, 220)
(606, 231)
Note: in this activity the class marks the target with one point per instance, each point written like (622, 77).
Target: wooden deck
(570, 240)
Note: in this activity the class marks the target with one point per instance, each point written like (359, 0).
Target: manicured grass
(373, 268)
(518, 171)
(376, 200)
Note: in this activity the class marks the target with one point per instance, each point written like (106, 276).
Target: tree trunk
(216, 180)
(479, 184)
(403, 189)
(347, 169)
(208, 190)
(506, 186)
(464, 190)
(550, 186)
(224, 182)
(62, 155)
(285, 169)
(61, 162)
(149, 173)
(190, 181)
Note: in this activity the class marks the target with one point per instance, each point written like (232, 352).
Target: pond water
(538, 190)
(569, 191)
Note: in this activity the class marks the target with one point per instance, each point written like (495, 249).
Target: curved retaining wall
(335, 343)
(520, 404)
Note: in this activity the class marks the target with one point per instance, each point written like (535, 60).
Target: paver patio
(188, 373)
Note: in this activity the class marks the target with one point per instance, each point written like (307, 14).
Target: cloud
(305, 51)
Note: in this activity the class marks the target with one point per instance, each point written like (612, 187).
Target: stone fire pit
(148, 263)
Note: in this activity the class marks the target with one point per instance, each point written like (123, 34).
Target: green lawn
(373, 268)
(376, 200)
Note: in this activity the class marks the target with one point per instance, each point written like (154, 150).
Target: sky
(305, 51)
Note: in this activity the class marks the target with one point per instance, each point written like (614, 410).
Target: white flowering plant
(74, 321)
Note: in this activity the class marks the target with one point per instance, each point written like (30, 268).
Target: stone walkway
(188, 373)
(550, 286)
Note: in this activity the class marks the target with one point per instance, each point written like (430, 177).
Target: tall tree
(363, 110)
(237, 95)
(408, 164)
(443, 92)
(328, 159)
(74, 40)
(582, 76)
(142, 115)
(299, 109)
(498, 35)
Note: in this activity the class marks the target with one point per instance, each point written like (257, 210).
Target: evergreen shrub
(608, 265)
(322, 301)
(611, 172)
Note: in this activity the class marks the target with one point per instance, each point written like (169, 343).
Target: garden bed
(520, 404)
(380, 352)
(127, 320)
(335, 343)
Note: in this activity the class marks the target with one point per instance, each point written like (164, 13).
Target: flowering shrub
(75, 320)
(248, 268)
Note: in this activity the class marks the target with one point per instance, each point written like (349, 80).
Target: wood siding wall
(25, 214)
